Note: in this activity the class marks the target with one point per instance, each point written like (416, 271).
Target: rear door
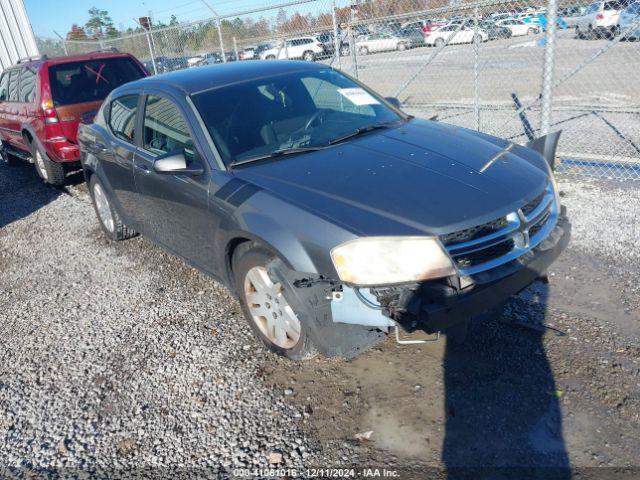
(11, 109)
(173, 208)
(26, 107)
(117, 157)
(4, 99)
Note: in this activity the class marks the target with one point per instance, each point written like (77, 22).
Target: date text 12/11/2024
(316, 473)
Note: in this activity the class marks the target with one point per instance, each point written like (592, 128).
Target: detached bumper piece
(434, 307)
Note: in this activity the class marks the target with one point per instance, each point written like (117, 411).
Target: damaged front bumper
(437, 306)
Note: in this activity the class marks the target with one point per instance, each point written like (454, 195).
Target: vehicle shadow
(502, 411)
(23, 192)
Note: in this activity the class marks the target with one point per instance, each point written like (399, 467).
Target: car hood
(420, 178)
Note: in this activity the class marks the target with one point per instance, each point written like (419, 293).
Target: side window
(165, 129)
(27, 86)
(13, 85)
(4, 87)
(122, 117)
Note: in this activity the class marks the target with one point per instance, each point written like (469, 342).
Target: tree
(99, 23)
(77, 33)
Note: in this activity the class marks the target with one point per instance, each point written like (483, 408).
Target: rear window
(88, 81)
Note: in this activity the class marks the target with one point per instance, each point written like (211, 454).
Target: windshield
(290, 111)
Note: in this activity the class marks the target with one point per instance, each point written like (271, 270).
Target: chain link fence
(515, 69)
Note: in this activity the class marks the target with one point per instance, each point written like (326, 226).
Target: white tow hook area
(347, 307)
(361, 308)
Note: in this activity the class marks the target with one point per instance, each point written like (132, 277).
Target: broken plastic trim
(546, 146)
(358, 308)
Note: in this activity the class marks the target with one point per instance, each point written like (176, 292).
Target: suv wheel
(271, 57)
(344, 51)
(363, 50)
(51, 172)
(7, 158)
(439, 42)
(267, 307)
(308, 56)
(110, 221)
(402, 46)
(531, 31)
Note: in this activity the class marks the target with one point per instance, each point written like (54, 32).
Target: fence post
(235, 47)
(336, 40)
(219, 25)
(476, 73)
(153, 59)
(548, 67)
(352, 41)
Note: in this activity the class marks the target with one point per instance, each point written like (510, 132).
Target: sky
(47, 16)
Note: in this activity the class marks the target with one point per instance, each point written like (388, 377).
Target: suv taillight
(600, 16)
(49, 112)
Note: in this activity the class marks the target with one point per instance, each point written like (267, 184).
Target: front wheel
(402, 46)
(439, 42)
(7, 158)
(531, 31)
(308, 57)
(266, 304)
(363, 51)
(271, 57)
(344, 51)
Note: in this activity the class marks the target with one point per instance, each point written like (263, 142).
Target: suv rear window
(88, 81)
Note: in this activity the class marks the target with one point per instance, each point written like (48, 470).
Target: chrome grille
(495, 243)
(474, 232)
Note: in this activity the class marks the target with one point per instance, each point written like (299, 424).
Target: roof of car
(193, 80)
(37, 61)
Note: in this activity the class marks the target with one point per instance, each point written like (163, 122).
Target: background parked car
(166, 64)
(42, 101)
(382, 42)
(630, 20)
(306, 48)
(518, 27)
(211, 58)
(415, 37)
(601, 19)
(495, 31)
(439, 36)
(571, 15)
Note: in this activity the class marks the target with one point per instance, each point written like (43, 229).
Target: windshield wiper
(275, 154)
(361, 130)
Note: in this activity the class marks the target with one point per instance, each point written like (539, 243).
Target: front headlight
(385, 260)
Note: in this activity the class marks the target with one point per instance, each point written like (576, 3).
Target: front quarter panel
(302, 240)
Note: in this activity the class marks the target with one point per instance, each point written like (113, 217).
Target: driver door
(173, 208)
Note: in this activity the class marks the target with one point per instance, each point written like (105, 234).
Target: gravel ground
(118, 356)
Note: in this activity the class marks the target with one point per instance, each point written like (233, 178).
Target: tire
(7, 158)
(402, 46)
(271, 57)
(531, 31)
(51, 172)
(344, 51)
(439, 42)
(477, 38)
(579, 35)
(363, 51)
(109, 220)
(286, 333)
(308, 56)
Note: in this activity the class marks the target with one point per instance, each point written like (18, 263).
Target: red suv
(43, 99)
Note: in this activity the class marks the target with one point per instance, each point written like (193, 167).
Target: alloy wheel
(270, 310)
(103, 207)
(40, 165)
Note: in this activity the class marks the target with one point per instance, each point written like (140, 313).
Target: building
(16, 36)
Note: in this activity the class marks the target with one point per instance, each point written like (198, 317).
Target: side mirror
(175, 163)
(393, 101)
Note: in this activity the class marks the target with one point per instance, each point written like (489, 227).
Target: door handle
(100, 147)
(142, 167)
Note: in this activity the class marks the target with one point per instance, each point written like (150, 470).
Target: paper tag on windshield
(358, 96)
